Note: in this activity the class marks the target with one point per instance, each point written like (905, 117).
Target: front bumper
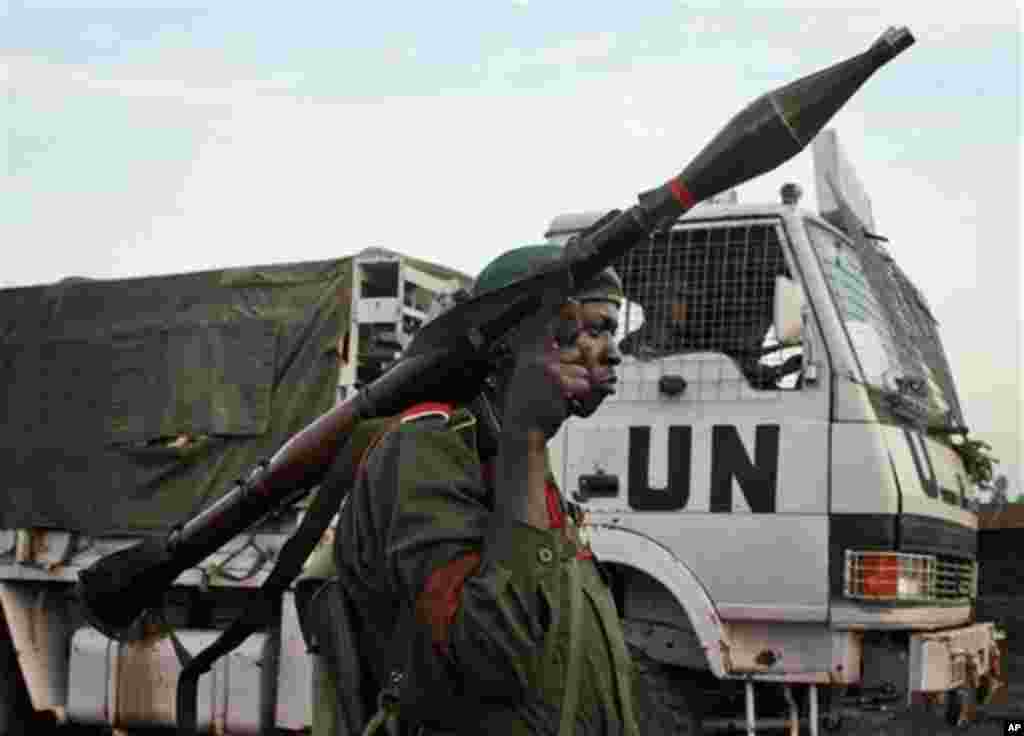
(959, 658)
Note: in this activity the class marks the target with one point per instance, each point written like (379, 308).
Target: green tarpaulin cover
(129, 405)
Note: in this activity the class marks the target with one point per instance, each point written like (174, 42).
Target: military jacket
(478, 624)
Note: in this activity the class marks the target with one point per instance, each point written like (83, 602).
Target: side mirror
(788, 308)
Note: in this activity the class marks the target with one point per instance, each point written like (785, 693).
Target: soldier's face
(596, 350)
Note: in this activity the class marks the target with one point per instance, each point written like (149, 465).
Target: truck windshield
(709, 288)
(891, 328)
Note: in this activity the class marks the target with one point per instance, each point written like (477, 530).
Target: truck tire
(668, 698)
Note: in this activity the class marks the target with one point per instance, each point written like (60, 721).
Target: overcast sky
(157, 138)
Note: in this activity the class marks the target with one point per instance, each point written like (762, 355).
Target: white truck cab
(774, 483)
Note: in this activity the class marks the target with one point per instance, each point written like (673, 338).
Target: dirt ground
(856, 721)
(903, 722)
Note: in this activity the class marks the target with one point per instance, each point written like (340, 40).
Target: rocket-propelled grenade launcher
(450, 357)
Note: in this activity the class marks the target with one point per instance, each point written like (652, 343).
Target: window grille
(706, 290)
(899, 315)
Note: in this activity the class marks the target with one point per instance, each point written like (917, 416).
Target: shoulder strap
(293, 555)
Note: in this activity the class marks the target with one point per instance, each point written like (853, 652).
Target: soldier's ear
(571, 311)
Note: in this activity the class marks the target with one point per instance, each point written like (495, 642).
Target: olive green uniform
(419, 516)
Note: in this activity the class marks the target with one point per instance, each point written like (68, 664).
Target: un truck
(775, 489)
(777, 484)
(130, 405)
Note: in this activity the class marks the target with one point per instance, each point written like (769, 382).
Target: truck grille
(955, 578)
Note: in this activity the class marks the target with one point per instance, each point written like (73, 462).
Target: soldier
(470, 595)
(664, 331)
(693, 319)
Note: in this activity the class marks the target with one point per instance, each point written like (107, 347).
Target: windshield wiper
(908, 384)
(916, 410)
(913, 392)
(904, 406)
(948, 426)
(906, 396)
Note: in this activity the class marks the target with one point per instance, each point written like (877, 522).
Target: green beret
(521, 262)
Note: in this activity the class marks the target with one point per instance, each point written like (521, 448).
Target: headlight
(889, 576)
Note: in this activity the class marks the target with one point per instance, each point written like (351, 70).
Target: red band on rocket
(681, 193)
